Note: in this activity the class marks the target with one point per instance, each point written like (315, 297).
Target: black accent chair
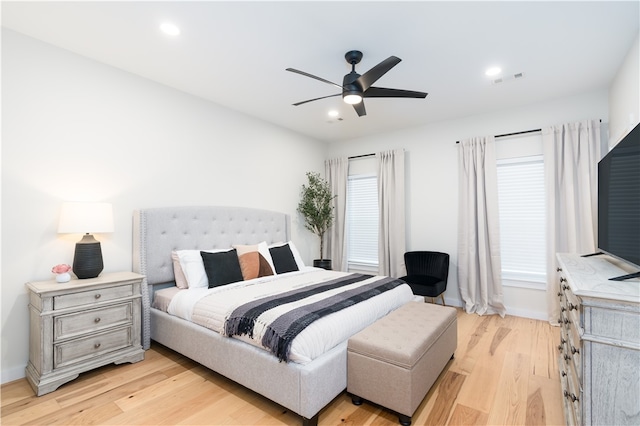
(427, 273)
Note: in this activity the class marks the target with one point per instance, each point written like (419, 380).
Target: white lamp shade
(80, 218)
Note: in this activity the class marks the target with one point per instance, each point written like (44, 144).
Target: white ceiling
(235, 53)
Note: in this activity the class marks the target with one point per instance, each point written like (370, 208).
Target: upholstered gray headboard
(158, 231)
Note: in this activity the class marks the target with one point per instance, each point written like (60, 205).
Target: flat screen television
(619, 200)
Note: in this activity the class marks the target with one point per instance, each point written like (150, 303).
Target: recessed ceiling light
(493, 71)
(170, 29)
(333, 113)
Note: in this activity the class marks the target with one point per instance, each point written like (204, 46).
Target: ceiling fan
(355, 87)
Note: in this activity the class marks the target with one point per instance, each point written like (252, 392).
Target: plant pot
(322, 263)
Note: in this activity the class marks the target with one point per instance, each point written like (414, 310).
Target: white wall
(624, 95)
(432, 177)
(74, 129)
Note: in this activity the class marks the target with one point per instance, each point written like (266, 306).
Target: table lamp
(78, 218)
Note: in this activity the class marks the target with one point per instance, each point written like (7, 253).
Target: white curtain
(391, 233)
(337, 173)
(571, 155)
(479, 269)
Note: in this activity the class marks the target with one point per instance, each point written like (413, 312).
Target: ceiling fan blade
(381, 92)
(371, 76)
(306, 74)
(316, 99)
(359, 107)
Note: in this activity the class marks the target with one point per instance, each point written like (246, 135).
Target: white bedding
(211, 307)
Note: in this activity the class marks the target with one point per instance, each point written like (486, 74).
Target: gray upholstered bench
(395, 361)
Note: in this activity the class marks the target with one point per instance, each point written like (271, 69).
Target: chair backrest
(431, 263)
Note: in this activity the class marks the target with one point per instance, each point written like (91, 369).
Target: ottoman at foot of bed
(395, 361)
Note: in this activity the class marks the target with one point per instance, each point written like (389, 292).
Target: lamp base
(87, 260)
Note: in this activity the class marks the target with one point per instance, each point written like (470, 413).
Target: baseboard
(11, 374)
(524, 313)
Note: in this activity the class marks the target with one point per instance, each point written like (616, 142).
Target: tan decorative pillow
(250, 265)
(265, 268)
(264, 261)
(181, 280)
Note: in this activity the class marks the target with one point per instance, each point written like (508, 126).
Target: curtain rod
(515, 133)
(519, 133)
(361, 156)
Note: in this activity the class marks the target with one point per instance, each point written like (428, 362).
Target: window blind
(362, 222)
(521, 203)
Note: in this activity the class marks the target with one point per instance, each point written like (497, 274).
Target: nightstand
(81, 325)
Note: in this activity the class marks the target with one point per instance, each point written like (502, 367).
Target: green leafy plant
(316, 206)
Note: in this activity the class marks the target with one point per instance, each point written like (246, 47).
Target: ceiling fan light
(352, 98)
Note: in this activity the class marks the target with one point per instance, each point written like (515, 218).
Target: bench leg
(404, 420)
(356, 400)
(313, 421)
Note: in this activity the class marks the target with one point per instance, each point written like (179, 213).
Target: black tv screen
(619, 200)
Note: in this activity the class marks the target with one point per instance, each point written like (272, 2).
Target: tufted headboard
(158, 231)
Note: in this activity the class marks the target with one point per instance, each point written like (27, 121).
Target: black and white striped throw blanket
(269, 312)
(322, 300)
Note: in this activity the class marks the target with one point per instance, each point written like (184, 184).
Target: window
(362, 224)
(521, 202)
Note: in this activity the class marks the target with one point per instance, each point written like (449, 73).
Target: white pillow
(193, 267)
(294, 251)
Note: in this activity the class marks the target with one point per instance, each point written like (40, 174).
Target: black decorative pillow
(222, 267)
(283, 259)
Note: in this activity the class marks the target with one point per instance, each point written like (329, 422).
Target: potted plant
(316, 206)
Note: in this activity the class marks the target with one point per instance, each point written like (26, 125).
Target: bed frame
(303, 389)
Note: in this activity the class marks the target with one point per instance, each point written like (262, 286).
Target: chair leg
(442, 295)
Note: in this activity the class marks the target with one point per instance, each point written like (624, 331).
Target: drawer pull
(573, 307)
(559, 269)
(574, 350)
(96, 346)
(98, 296)
(565, 287)
(97, 320)
(563, 280)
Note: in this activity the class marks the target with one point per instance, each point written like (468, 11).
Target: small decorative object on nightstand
(81, 325)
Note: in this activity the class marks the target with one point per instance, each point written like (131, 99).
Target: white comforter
(211, 307)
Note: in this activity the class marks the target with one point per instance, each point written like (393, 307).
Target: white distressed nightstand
(81, 325)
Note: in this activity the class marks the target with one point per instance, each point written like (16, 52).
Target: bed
(304, 388)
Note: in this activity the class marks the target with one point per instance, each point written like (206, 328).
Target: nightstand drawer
(92, 296)
(70, 325)
(91, 346)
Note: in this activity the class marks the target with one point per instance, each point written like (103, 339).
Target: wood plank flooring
(504, 373)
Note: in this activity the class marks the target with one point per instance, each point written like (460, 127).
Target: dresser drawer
(77, 350)
(92, 296)
(70, 325)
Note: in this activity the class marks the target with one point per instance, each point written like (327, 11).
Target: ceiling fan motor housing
(355, 87)
(350, 85)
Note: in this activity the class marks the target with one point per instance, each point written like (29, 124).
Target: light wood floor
(504, 373)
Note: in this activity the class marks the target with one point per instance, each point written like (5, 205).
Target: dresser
(80, 325)
(600, 341)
